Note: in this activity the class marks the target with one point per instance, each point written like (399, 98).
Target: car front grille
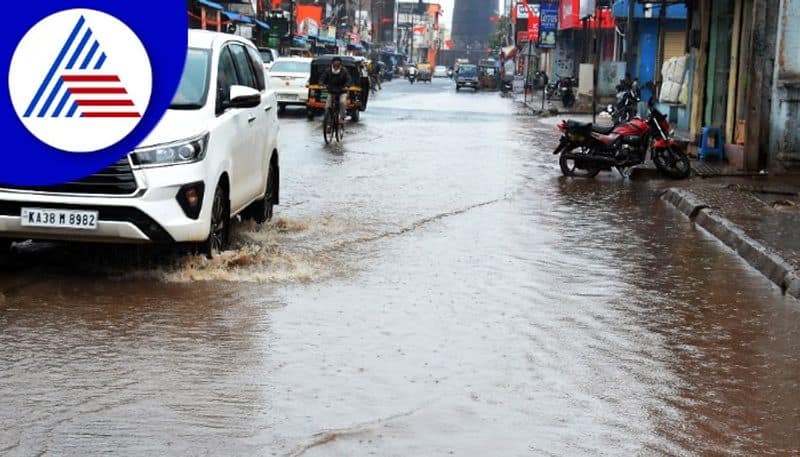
(116, 179)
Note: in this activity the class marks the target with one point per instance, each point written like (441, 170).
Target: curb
(756, 254)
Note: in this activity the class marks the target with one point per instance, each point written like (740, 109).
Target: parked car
(289, 78)
(440, 71)
(269, 56)
(467, 76)
(212, 156)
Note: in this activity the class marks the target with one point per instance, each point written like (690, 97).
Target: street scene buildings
(425, 228)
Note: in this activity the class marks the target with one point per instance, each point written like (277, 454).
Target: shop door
(719, 63)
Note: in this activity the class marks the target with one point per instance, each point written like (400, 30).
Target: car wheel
(220, 227)
(458, 88)
(310, 114)
(261, 211)
(355, 115)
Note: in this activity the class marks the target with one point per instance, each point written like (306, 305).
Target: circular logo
(80, 80)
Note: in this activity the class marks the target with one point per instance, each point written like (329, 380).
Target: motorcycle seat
(603, 130)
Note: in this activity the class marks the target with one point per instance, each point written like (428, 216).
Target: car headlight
(184, 151)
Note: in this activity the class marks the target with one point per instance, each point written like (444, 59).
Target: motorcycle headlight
(185, 151)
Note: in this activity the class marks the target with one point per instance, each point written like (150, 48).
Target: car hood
(177, 125)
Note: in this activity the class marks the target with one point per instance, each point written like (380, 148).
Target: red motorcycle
(586, 149)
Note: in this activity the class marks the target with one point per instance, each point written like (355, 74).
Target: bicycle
(332, 127)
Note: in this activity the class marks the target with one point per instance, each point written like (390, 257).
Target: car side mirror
(244, 97)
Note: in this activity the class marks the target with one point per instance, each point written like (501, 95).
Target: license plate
(59, 218)
(288, 96)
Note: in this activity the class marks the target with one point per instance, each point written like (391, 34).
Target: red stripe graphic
(112, 115)
(104, 102)
(98, 90)
(90, 78)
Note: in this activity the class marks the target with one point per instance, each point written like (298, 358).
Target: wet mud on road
(431, 286)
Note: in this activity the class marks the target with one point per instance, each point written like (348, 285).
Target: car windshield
(193, 87)
(467, 71)
(266, 56)
(287, 66)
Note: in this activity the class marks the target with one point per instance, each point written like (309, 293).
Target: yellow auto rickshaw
(357, 94)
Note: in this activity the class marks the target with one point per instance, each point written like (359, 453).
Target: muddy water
(431, 287)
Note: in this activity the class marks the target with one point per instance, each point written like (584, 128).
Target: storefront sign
(548, 24)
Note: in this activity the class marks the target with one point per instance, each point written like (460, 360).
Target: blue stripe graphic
(73, 109)
(100, 61)
(55, 66)
(90, 55)
(78, 51)
(61, 104)
(52, 96)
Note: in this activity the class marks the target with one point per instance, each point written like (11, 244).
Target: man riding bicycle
(337, 79)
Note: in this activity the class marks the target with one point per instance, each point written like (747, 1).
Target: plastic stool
(718, 149)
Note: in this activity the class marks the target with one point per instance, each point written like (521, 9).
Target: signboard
(522, 11)
(522, 37)
(548, 24)
(533, 24)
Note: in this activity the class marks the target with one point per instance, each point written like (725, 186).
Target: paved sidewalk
(760, 220)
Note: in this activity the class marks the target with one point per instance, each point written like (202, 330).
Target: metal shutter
(674, 44)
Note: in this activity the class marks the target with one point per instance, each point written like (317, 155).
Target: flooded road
(431, 287)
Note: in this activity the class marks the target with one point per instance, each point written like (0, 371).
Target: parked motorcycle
(627, 105)
(566, 92)
(563, 89)
(586, 149)
(540, 80)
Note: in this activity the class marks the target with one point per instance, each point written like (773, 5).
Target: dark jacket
(337, 84)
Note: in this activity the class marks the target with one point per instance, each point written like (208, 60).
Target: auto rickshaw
(424, 72)
(357, 94)
(488, 74)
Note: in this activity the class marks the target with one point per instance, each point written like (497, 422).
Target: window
(291, 66)
(258, 67)
(191, 93)
(226, 77)
(243, 67)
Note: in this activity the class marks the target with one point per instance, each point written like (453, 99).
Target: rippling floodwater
(431, 287)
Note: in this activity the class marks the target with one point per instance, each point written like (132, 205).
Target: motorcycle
(565, 86)
(628, 97)
(586, 149)
(540, 80)
(412, 75)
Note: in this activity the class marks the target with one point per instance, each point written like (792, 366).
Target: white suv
(212, 156)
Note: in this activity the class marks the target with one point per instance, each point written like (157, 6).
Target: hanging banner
(533, 23)
(309, 17)
(548, 24)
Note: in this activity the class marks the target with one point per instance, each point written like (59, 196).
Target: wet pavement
(431, 287)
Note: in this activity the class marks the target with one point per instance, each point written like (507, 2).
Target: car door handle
(251, 119)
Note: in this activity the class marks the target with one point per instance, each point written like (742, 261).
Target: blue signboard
(548, 24)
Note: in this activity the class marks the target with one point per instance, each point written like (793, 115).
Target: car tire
(458, 88)
(355, 115)
(220, 225)
(310, 114)
(261, 210)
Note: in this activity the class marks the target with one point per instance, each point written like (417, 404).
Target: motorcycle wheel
(672, 162)
(569, 166)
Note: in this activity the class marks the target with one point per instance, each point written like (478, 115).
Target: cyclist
(337, 79)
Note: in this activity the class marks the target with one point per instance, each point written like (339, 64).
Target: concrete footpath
(759, 220)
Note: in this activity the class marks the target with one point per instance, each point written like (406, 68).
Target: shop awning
(326, 40)
(262, 24)
(299, 41)
(210, 4)
(237, 17)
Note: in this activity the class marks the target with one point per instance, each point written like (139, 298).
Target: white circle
(104, 108)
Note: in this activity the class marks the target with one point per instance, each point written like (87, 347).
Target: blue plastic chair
(707, 151)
